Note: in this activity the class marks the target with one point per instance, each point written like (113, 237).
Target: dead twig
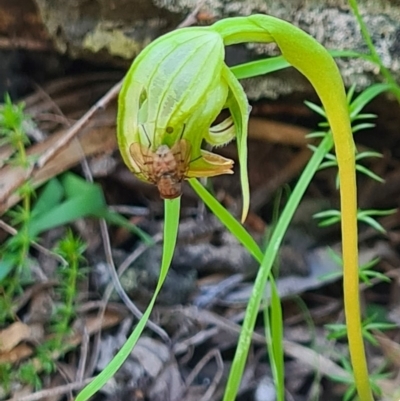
(118, 287)
(80, 373)
(51, 392)
(11, 230)
(74, 130)
(24, 43)
(95, 140)
(214, 353)
(304, 354)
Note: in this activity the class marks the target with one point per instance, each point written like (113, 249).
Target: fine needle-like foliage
(171, 95)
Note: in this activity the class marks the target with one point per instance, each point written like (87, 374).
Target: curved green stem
(313, 61)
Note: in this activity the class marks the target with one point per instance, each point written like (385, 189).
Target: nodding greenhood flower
(173, 92)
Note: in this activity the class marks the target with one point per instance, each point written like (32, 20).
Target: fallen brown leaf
(93, 325)
(13, 335)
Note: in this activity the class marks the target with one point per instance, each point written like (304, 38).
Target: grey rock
(116, 31)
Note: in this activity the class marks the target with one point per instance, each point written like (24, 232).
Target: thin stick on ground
(74, 130)
(118, 287)
(51, 392)
(11, 230)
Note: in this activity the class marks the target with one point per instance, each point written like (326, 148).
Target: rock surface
(117, 30)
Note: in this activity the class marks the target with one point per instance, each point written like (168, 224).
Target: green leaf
(171, 224)
(259, 67)
(363, 155)
(317, 109)
(6, 265)
(228, 220)
(362, 126)
(325, 165)
(350, 54)
(273, 324)
(317, 134)
(373, 223)
(82, 199)
(49, 197)
(239, 108)
(366, 171)
(266, 66)
(363, 116)
(365, 97)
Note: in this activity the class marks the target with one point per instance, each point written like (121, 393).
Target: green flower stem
(313, 61)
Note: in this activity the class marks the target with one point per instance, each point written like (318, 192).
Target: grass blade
(172, 208)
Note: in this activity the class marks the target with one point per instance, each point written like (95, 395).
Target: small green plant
(330, 217)
(6, 376)
(349, 380)
(61, 201)
(356, 106)
(71, 249)
(13, 123)
(355, 109)
(27, 374)
(339, 331)
(15, 260)
(366, 270)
